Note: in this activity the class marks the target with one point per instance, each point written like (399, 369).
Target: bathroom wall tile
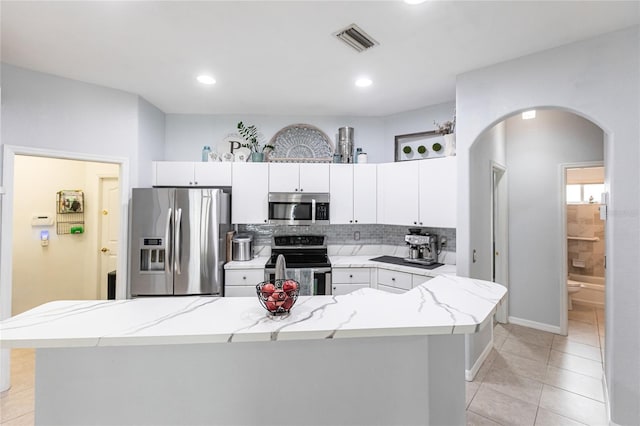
(575, 382)
(503, 408)
(574, 406)
(576, 364)
(549, 418)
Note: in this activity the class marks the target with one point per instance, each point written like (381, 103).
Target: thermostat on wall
(42, 220)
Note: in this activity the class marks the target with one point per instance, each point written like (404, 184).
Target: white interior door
(499, 227)
(109, 230)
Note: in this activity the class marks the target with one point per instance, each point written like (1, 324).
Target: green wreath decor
(436, 147)
(406, 149)
(422, 149)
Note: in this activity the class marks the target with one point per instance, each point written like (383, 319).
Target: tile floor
(530, 378)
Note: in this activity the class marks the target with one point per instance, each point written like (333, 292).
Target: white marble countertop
(348, 261)
(443, 305)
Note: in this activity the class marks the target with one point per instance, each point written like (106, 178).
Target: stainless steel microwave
(286, 208)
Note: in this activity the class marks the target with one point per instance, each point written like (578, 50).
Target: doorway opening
(499, 235)
(58, 254)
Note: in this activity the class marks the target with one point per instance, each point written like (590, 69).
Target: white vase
(449, 144)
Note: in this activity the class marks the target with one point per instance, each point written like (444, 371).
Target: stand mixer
(423, 249)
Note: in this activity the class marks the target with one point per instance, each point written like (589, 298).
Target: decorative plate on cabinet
(301, 143)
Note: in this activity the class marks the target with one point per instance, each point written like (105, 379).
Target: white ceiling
(281, 57)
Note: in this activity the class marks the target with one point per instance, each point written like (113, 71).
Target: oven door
(321, 284)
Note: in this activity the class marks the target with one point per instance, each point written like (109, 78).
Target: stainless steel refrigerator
(177, 241)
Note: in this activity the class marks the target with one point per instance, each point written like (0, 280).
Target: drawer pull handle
(393, 279)
(244, 278)
(350, 276)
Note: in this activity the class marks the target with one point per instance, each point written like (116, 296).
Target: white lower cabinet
(346, 280)
(242, 282)
(401, 281)
(390, 289)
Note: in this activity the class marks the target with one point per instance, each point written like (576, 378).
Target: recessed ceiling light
(363, 82)
(206, 79)
(414, 1)
(528, 115)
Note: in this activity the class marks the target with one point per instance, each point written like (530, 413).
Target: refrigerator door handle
(313, 210)
(168, 243)
(178, 244)
(204, 239)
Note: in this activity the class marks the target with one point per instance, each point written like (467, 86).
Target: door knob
(104, 249)
(105, 212)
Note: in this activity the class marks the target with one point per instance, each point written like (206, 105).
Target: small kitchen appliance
(302, 253)
(423, 249)
(295, 208)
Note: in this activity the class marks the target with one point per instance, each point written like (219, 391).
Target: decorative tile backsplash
(390, 235)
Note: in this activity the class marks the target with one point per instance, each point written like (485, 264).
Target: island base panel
(375, 381)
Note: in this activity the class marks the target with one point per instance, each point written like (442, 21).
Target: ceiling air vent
(355, 37)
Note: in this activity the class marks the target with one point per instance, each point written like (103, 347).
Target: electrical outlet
(443, 241)
(356, 235)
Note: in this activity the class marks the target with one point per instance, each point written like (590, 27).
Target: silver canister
(345, 144)
(242, 247)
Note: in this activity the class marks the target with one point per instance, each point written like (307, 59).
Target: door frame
(502, 314)
(562, 239)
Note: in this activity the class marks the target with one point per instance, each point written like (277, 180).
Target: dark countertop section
(400, 261)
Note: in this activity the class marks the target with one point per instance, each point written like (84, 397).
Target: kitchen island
(365, 358)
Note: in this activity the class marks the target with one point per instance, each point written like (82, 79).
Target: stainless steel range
(302, 254)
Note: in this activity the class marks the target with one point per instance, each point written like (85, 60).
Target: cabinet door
(283, 177)
(364, 193)
(398, 193)
(438, 192)
(341, 193)
(212, 174)
(340, 289)
(314, 177)
(250, 190)
(391, 289)
(241, 291)
(174, 173)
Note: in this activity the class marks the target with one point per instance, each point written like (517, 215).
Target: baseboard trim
(534, 324)
(469, 375)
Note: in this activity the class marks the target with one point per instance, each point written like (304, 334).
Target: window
(585, 193)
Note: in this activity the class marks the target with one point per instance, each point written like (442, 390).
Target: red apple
(287, 304)
(267, 289)
(279, 295)
(289, 285)
(271, 304)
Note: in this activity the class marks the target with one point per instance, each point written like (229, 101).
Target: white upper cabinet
(250, 192)
(353, 193)
(418, 193)
(398, 193)
(298, 177)
(438, 192)
(188, 173)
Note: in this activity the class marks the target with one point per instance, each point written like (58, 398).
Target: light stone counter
(257, 262)
(368, 357)
(366, 262)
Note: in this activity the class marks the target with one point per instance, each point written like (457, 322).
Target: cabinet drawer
(243, 277)
(350, 276)
(394, 279)
(391, 289)
(340, 289)
(240, 291)
(416, 280)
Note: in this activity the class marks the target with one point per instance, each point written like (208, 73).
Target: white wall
(535, 150)
(187, 133)
(151, 145)
(600, 79)
(67, 267)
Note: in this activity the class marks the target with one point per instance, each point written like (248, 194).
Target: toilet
(572, 288)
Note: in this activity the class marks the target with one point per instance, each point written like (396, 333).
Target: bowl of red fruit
(279, 296)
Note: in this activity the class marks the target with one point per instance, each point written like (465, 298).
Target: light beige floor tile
(16, 404)
(510, 383)
(574, 348)
(24, 420)
(470, 391)
(575, 382)
(583, 314)
(576, 364)
(498, 341)
(584, 339)
(501, 329)
(530, 335)
(582, 327)
(549, 418)
(522, 366)
(486, 365)
(502, 408)
(474, 419)
(526, 350)
(574, 406)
